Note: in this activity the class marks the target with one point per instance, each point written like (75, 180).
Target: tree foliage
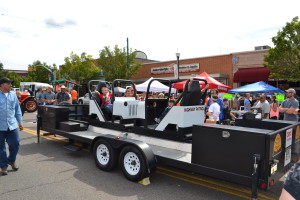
(11, 75)
(284, 59)
(15, 77)
(41, 74)
(79, 68)
(1, 68)
(114, 63)
(2, 72)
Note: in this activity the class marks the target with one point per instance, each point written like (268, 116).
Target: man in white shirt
(264, 105)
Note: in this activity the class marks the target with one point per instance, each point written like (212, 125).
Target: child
(105, 97)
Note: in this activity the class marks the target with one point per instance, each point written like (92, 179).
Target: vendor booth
(213, 83)
(258, 87)
(156, 86)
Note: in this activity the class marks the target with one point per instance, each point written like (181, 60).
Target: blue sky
(50, 30)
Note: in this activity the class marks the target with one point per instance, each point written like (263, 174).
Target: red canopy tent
(213, 83)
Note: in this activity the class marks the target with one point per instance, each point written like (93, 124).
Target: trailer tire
(133, 163)
(105, 156)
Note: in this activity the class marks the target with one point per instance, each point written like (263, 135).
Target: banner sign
(173, 67)
(228, 96)
(279, 97)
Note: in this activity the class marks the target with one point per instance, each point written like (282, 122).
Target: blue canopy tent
(258, 87)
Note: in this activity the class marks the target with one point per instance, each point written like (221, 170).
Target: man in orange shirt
(74, 96)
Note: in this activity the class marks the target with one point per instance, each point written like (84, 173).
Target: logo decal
(277, 143)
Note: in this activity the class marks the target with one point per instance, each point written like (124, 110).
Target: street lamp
(177, 55)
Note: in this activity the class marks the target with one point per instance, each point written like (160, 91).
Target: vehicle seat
(192, 96)
(107, 114)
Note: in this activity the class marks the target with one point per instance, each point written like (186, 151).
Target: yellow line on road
(52, 138)
(214, 182)
(206, 185)
(49, 137)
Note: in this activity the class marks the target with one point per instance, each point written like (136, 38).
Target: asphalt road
(48, 171)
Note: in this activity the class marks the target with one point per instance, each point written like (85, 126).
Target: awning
(252, 75)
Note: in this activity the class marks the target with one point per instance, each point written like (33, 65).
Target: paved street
(48, 171)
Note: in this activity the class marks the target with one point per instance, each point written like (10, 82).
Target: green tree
(11, 75)
(114, 63)
(284, 59)
(79, 68)
(16, 78)
(40, 74)
(1, 69)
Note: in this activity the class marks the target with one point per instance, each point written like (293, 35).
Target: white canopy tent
(155, 86)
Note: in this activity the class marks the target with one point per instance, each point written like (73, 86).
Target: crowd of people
(220, 110)
(46, 96)
(270, 107)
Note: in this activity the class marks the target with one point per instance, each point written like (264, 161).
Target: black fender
(119, 142)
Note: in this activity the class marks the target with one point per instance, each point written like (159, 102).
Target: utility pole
(128, 72)
(177, 55)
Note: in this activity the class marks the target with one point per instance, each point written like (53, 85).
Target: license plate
(273, 168)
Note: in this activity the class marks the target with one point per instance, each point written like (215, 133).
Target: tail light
(271, 183)
(263, 185)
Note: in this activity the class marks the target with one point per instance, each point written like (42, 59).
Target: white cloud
(50, 30)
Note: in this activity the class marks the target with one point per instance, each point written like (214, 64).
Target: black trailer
(255, 153)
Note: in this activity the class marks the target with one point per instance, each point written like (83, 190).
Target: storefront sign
(170, 69)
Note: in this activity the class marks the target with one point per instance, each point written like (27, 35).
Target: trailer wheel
(30, 105)
(133, 163)
(105, 156)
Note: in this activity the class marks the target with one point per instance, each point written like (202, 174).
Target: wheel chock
(145, 181)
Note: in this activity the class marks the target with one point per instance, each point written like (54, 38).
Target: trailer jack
(256, 159)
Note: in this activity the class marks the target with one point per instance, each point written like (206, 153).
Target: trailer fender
(119, 143)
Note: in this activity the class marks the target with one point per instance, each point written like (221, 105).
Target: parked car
(84, 100)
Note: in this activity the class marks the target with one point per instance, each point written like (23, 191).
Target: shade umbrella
(258, 87)
(213, 83)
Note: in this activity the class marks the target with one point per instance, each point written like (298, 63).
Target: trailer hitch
(256, 159)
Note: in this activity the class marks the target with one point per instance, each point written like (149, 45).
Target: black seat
(192, 96)
(107, 114)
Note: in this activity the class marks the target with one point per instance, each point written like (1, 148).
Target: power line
(43, 23)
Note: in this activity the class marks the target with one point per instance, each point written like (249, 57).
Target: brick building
(234, 69)
(219, 67)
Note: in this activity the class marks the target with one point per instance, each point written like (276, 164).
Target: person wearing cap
(62, 96)
(49, 96)
(289, 106)
(39, 96)
(10, 121)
